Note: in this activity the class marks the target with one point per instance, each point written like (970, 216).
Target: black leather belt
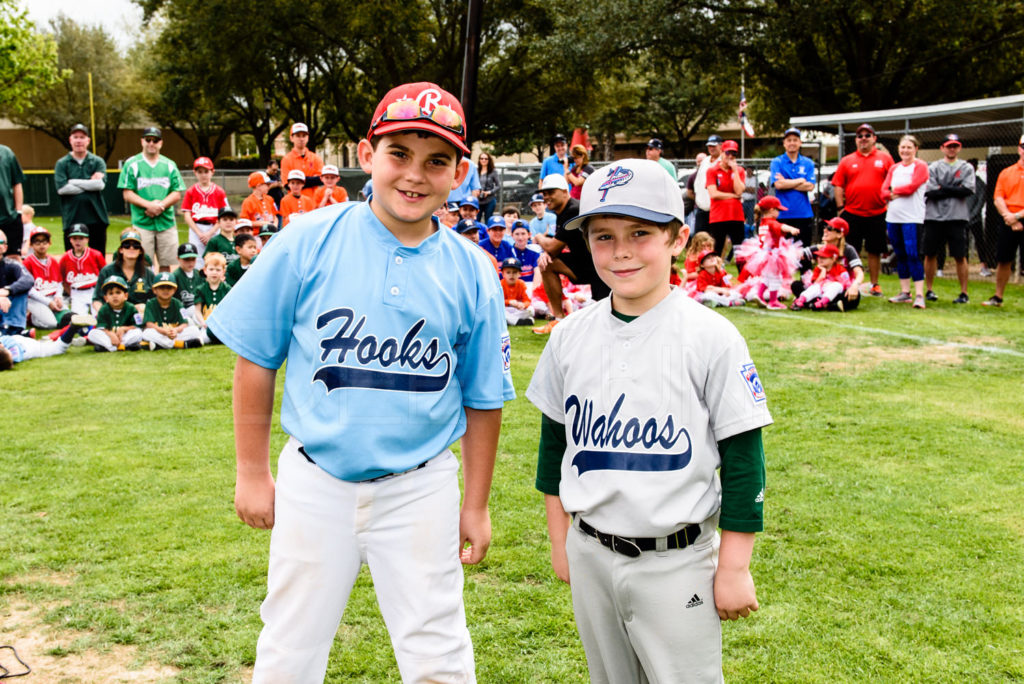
(633, 546)
(386, 476)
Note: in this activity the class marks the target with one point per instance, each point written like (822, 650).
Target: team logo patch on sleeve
(506, 352)
(749, 375)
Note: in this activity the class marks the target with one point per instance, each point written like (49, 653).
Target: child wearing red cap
(201, 204)
(769, 259)
(393, 329)
(712, 284)
(826, 283)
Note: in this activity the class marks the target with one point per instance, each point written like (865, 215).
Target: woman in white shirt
(903, 189)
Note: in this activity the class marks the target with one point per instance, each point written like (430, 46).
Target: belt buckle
(625, 546)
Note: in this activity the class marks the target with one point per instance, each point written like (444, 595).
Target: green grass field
(893, 549)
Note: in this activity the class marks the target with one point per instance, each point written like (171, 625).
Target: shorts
(937, 234)
(161, 246)
(1009, 242)
(867, 232)
(583, 271)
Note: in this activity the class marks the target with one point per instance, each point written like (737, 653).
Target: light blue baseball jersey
(12, 344)
(385, 343)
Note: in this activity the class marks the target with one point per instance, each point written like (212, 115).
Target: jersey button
(398, 260)
(394, 291)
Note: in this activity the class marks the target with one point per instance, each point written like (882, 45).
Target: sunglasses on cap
(408, 110)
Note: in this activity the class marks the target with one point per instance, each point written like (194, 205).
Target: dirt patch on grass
(61, 657)
(847, 359)
(41, 576)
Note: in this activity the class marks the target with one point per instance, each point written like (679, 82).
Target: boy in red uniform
(201, 204)
(330, 192)
(295, 202)
(44, 299)
(80, 269)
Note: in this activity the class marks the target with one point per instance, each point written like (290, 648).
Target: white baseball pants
(99, 337)
(406, 529)
(158, 339)
(650, 618)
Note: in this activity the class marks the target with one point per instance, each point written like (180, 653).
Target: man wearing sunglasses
(858, 184)
(152, 185)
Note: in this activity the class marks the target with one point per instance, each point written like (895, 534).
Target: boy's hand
(560, 562)
(474, 530)
(254, 500)
(735, 596)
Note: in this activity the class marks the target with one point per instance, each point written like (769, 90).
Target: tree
(28, 59)
(82, 50)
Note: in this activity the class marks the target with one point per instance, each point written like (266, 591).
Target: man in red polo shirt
(304, 159)
(1008, 199)
(858, 185)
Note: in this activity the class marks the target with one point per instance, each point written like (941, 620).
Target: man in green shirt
(152, 185)
(11, 196)
(80, 177)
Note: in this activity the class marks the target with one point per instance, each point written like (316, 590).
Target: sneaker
(83, 320)
(938, 273)
(931, 296)
(821, 303)
(876, 290)
(902, 298)
(993, 301)
(918, 302)
(546, 328)
(525, 321)
(984, 272)
(193, 344)
(78, 342)
(776, 306)
(133, 347)
(798, 304)
(99, 348)
(840, 305)
(962, 299)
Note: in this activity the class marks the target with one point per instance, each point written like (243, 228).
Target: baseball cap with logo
(633, 188)
(730, 146)
(952, 139)
(557, 138)
(828, 251)
(839, 224)
(187, 251)
(792, 130)
(78, 230)
(467, 226)
(266, 230)
(299, 128)
(165, 279)
(131, 234)
(78, 128)
(496, 222)
(227, 211)
(258, 178)
(866, 127)
(537, 197)
(152, 132)
(512, 262)
(470, 202)
(39, 230)
(554, 181)
(714, 140)
(203, 163)
(114, 280)
(452, 206)
(296, 174)
(771, 202)
(423, 107)
(329, 170)
(655, 143)
(243, 224)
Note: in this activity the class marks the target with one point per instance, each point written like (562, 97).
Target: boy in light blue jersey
(394, 332)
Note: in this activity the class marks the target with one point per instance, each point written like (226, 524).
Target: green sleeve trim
(549, 455)
(743, 480)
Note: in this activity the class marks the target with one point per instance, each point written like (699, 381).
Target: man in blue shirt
(556, 163)
(794, 177)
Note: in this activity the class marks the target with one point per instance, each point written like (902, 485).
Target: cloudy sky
(121, 18)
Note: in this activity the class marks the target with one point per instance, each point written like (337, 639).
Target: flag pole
(743, 131)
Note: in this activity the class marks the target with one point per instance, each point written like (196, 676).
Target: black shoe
(962, 299)
(931, 296)
(993, 301)
(193, 344)
(133, 347)
(64, 321)
(99, 348)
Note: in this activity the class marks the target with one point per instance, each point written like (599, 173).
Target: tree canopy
(28, 59)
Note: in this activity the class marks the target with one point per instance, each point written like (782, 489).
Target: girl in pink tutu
(769, 259)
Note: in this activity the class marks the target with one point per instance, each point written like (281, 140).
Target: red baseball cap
(203, 163)
(421, 107)
(771, 202)
(828, 251)
(730, 146)
(839, 224)
(38, 230)
(704, 254)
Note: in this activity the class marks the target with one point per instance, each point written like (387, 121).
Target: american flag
(744, 121)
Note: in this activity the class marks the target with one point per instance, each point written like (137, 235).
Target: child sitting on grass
(80, 269)
(517, 299)
(46, 306)
(826, 283)
(17, 348)
(117, 323)
(247, 249)
(165, 326)
(713, 282)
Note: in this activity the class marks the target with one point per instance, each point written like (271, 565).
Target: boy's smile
(633, 258)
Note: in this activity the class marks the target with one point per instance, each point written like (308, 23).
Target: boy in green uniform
(188, 278)
(165, 326)
(152, 185)
(210, 294)
(117, 323)
(245, 247)
(223, 241)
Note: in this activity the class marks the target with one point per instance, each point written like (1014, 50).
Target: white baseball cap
(329, 170)
(554, 181)
(296, 174)
(635, 188)
(299, 128)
